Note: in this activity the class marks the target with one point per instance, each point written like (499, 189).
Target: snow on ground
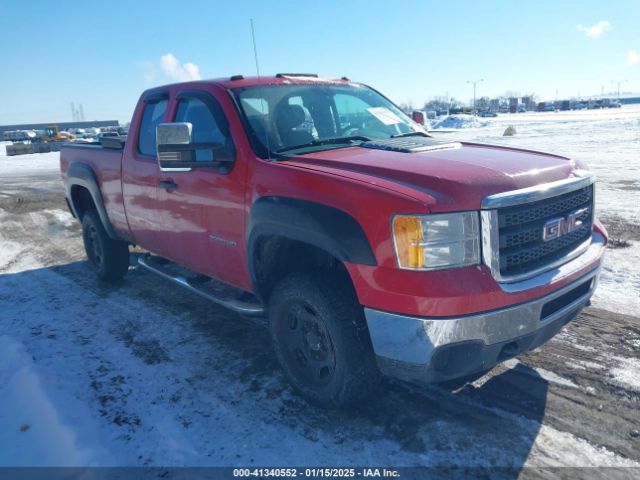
(619, 286)
(627, 373)
(26, 400)
(30, 163)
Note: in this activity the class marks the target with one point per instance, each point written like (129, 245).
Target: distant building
(60, 125)
(513, 104)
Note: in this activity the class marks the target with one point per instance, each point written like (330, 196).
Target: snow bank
(458, 122)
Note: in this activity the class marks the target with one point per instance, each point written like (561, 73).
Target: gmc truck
(373, 248)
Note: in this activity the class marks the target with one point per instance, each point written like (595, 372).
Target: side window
(151, 118)
(205, 128)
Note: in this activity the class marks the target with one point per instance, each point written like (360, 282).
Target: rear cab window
(152, 116)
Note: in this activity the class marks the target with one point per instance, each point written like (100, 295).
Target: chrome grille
(521, 247)
(548, 208)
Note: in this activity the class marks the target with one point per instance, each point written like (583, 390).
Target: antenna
(262, 101)
(255, 49)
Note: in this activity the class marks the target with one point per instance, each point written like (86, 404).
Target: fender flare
(82, 175)
(321, 226)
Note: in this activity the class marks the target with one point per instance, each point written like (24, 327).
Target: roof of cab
(238, 81)
(280, 78)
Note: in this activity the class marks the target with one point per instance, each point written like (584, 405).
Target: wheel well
(81, 200)
(276, 257)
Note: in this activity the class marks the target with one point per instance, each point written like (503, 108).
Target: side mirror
(172, 142)
(177, 152)
(419, 117)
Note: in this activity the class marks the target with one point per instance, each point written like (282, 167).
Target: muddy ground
(565, 387)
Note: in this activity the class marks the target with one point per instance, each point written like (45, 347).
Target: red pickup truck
(373, 247)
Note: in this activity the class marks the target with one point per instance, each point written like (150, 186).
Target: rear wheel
(322, 341)
(109, 258)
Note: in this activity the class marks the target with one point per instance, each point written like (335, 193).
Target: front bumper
(429, 350)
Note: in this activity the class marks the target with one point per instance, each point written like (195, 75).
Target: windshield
(312, 117)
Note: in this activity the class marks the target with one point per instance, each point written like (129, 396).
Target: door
(202, 210)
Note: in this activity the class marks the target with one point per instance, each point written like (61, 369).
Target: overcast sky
(103, 54)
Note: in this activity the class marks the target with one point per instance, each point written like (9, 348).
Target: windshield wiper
(326, 141)
(411, 134)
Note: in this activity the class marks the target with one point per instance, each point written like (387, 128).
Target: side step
(238, 306)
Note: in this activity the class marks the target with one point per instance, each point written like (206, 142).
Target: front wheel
(321, 340)
(108, 258)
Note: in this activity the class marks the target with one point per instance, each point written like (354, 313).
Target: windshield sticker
(385, 115)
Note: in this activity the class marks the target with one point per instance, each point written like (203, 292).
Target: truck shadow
(492, 423)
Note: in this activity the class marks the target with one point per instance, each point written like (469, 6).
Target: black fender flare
(321, 226)
(82, 175)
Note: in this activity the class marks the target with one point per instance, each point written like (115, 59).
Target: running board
(244, 308)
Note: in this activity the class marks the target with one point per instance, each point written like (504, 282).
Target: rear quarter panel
(106, 165)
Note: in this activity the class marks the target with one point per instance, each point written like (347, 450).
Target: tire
(108, 258)
(321, 340)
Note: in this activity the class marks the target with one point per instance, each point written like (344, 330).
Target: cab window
(151, 118)
(205, 128)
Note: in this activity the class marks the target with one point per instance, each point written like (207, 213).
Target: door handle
(168, 184)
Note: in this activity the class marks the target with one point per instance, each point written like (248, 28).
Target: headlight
(443, 240)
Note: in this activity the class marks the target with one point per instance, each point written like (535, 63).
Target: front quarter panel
(372, 207)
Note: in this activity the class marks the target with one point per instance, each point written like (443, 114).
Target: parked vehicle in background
(578, 105)
(102, 135)
(372, 247)
(19, 135)
(487, 113)
(79, 133)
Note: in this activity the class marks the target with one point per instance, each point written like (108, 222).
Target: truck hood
(447, 179)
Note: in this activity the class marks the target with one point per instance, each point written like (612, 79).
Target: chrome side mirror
(178, 152)
(172, 142)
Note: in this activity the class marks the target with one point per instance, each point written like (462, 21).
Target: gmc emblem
(556, 227)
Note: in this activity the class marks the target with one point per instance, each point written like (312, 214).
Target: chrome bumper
(436, 349)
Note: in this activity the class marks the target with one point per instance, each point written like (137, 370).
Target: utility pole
(474, 83)
(619, 82)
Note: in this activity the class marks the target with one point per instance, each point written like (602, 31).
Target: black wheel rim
(94, 247)
(307, 345)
